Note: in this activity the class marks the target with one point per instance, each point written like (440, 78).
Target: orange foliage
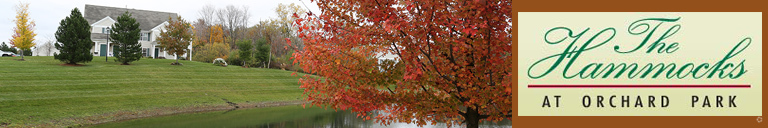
(217, 34)
(454, 59)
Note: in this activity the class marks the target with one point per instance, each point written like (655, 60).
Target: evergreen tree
(262, 52)
(245, 51)
(4, 47)
(27, 52)
(244, 46)
(125, 34)
(74, 35)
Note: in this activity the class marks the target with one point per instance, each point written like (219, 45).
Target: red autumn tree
(454, 59)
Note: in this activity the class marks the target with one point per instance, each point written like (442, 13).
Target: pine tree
(74, 35)
(6, 48)
(125, 34)
(262, 52)
(245, 51)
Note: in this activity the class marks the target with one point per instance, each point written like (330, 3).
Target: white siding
(98, 26)
(150, 45)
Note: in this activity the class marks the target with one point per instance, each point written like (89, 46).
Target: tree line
(226, 33)
(217, 33)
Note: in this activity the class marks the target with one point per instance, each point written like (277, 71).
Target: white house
(101, 19)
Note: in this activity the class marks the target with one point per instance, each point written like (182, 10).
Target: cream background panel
(704, 37)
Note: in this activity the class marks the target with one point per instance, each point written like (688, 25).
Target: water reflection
(274, 117)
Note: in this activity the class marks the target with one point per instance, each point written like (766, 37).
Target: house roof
(147, 19)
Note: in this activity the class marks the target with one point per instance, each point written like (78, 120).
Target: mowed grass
(40, 90)
(285, 116)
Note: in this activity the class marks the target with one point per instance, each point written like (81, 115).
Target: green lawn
(40, 91)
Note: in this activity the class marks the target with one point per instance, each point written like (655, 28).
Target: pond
(271, 117)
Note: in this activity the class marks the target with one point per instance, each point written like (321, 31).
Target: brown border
(638, 6)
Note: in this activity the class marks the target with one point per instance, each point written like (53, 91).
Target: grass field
(40, 92)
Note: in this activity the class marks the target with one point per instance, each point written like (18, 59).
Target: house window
(106, 30)
(145, 36)
(144, 51)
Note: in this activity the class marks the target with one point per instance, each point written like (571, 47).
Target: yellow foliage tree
(24, 32)
(209, 52)
(217, 34)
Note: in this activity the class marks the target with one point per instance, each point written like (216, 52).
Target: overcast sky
(48, 13)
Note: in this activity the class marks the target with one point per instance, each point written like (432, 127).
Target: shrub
(209, 52)
(234, 58)
(282, 62)
(286, 63)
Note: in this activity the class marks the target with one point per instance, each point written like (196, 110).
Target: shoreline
(166, 111)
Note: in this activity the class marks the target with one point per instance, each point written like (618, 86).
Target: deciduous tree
(233, 19)
(217, 34)
(126, 33)
(24, 31)
(207, 15)
(47, 47)
(285, 17)
(74, 37)
(454, 62)
(201, 33)
(176, 37)
(202, 27)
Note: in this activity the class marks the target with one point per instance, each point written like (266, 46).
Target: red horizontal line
(639, 86)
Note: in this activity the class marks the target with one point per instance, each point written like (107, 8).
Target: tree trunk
(472, 118)
(269, 59)
(22, 54)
